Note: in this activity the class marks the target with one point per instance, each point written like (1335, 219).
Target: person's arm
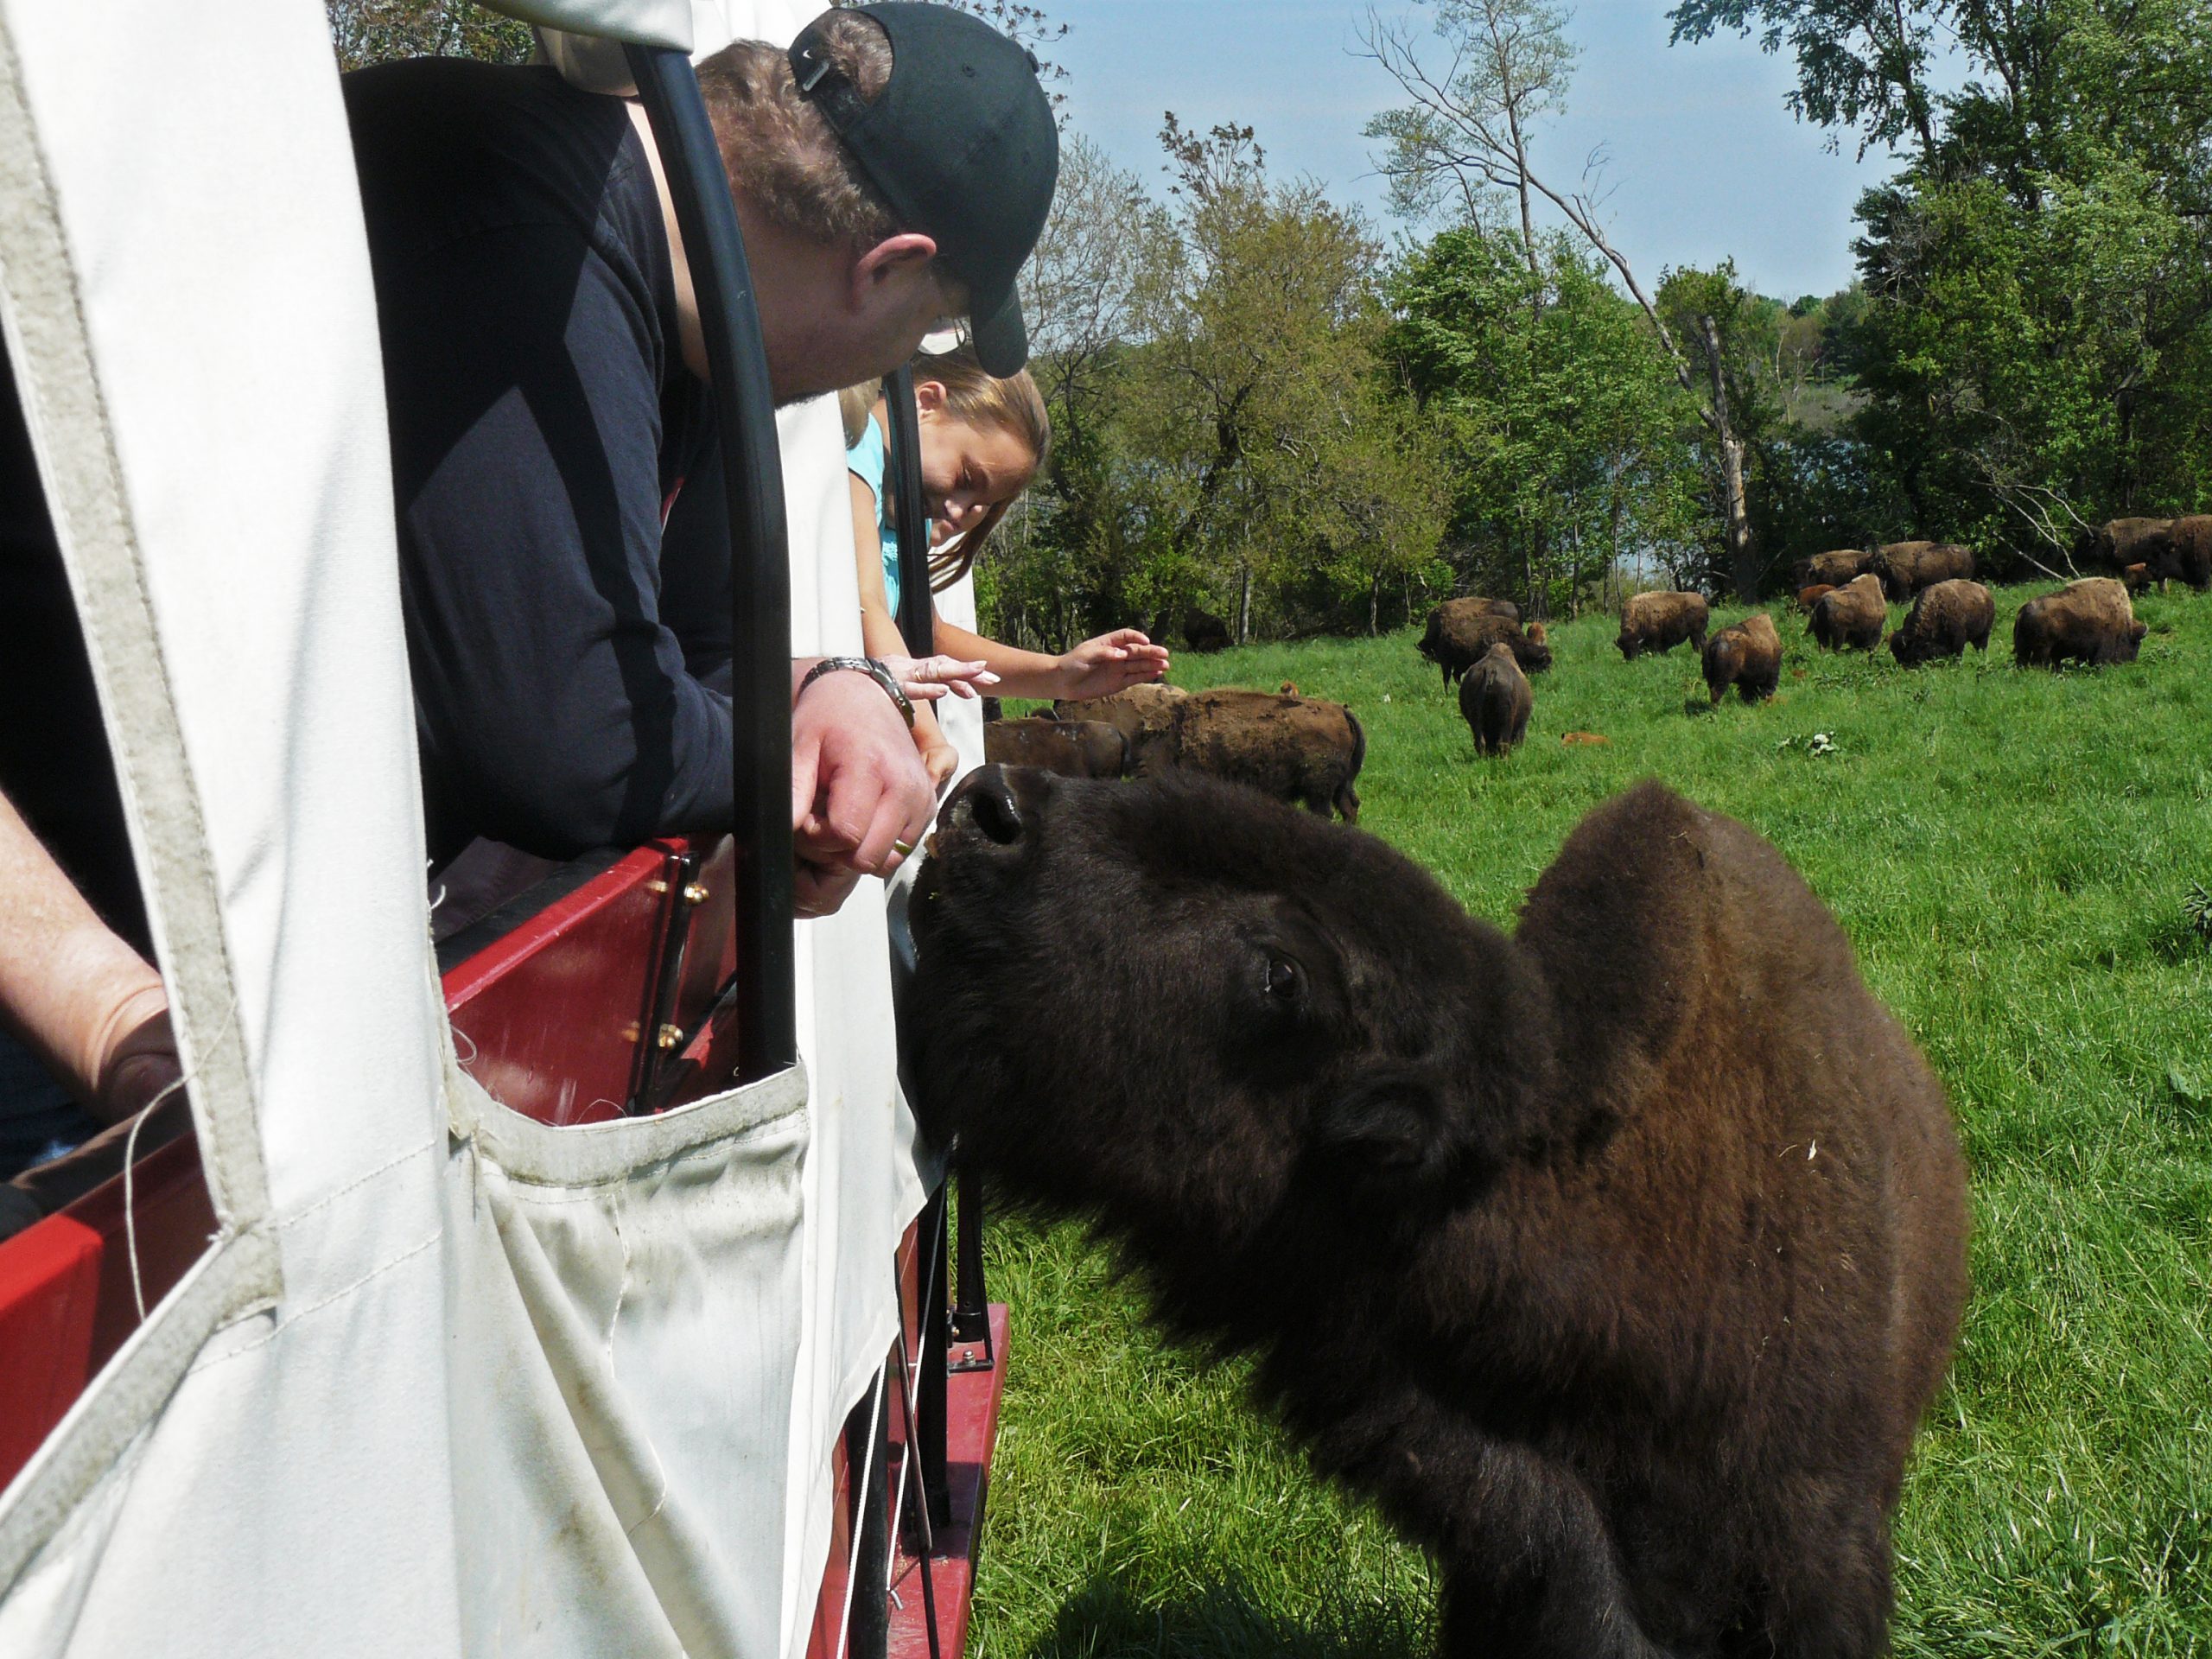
(1096, 668)
(556, 711)
(85, 1002)
(860, 800)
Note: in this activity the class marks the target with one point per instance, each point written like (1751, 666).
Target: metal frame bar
(760, 690)
(917, 611)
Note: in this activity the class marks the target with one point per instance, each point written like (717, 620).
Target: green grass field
(2012, 852)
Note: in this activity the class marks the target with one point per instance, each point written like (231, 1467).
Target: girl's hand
(1113, 662)
(941, 759)
(924, 679)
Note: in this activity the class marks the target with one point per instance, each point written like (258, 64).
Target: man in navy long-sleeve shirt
(546, 385)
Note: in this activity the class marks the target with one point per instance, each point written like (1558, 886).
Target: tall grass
(2014, 854)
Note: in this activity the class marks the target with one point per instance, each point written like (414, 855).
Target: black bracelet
(868, 665)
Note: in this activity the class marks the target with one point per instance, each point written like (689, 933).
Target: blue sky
(1706, 160)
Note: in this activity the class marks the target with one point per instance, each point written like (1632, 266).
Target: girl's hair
(1012, 405)
(973, 398)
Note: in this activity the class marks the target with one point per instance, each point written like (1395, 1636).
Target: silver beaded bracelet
(869, 666)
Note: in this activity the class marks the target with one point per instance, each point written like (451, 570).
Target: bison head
(1188, 1010)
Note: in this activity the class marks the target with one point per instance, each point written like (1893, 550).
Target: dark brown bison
(2087, 621)
(1137, 713)
(1852, 616)
(1747, 656)
(1460, 631)
(1615, 1260)
(1302, 750)
(2135, 578)
(2118, 543)
(1495, 700)
(1074, 749)
(1906, 568)
(1837, 568)
(2189, 553)
(1204, 631)
(1660, 622)
(1945, 619)
(1807, 597)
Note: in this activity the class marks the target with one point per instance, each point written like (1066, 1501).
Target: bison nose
(987, 797)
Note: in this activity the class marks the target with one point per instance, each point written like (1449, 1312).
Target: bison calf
(1615, 1260)
(1945, 620)
(1660, 622)
(1074, 749)
(2086, 621)
(1495, 700)
(1852, 616)
(1807, 597)
(1747, 656)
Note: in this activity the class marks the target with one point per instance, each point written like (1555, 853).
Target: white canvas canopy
(446, 1381)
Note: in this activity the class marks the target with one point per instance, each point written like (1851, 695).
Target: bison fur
(1853, 617)
(1906, 568)
(1659, 622)
(1495, 699)
(1945, 620)
(1748, 656)
(1304, 751)
(2086, 621)
(1614, 1260)
(1074, 749)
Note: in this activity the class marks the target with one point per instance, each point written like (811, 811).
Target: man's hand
(861, 797)
(1113, 662)
(137, 1059)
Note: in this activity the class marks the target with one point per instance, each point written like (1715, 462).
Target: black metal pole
(760, 608)
(867, 1454)
(933, 1401)
(917, 615)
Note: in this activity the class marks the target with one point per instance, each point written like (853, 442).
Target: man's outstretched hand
(861, 797)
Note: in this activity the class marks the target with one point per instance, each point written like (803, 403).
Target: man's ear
(898, 257)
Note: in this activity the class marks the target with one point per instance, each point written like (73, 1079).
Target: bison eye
(1285, 981)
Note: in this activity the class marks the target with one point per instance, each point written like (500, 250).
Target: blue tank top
(867, 461)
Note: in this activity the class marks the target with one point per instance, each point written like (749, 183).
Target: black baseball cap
(961, 142)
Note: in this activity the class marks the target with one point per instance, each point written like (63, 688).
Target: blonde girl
(982, 440)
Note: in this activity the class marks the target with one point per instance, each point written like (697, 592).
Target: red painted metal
(65, 1298)
(549, 1019)
(971, 1433)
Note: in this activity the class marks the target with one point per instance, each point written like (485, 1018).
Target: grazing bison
(1302, 750)
(1204, 631)
(1660, 622)
(1945, 620)
(1460, 631)
(1852, 616)
(1495, 701)
(1807, 597)
(2118, 543)
(1747, 656)
(1906, 568)
(1837, 568)
(2189, 553)
(1074, 749)
(1138, 712)
(2135, 578)
(2088, 621)
(1615, 1260)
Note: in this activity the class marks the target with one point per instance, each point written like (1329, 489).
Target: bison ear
(1397, 1130)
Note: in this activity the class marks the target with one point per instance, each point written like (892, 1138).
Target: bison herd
(1617, 1258)
(1844, 597)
